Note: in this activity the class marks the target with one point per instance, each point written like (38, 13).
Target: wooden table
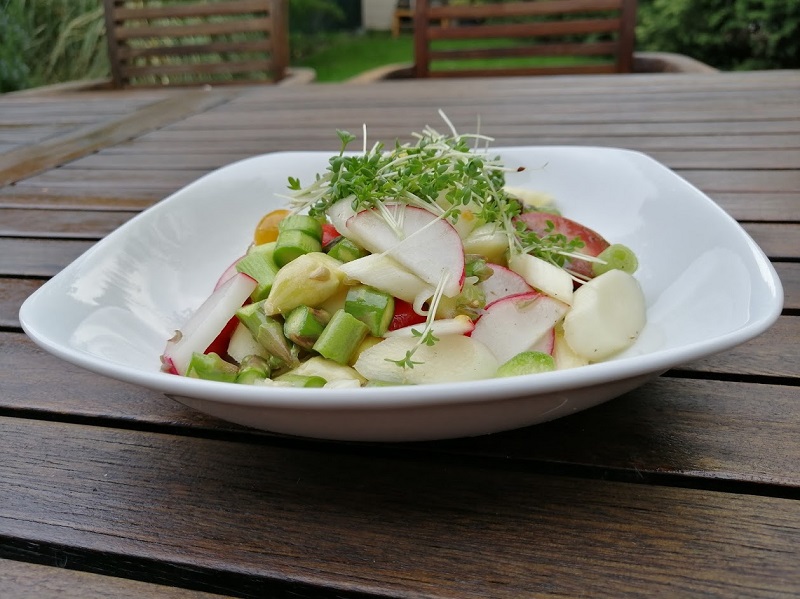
(689, 486)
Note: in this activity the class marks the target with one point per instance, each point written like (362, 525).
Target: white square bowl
(707, 285)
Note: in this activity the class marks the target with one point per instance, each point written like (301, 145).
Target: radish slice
(207, 322)
(502, 283)
(517, 323)
(425, 245)
(460, 325)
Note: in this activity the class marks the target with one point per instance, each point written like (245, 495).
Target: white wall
(377, 14)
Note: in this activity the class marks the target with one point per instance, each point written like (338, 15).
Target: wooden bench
(193, 43)
(535, 37)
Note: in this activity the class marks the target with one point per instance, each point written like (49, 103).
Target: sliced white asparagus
(540, 274)
(563, 354)
(607, 315)
(424, 244)
(385, 274)
(329, 370)
(452, 358)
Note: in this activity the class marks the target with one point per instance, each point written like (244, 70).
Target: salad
(408, 265)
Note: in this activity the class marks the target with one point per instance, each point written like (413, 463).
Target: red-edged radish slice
(517, 323)
(207, 322)
(594, 243)
(502, 283)
(459, 325)
(425, 245)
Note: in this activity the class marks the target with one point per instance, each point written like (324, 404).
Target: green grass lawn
(342, 56)
(346, 55)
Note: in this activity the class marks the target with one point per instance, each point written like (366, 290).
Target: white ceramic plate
(708, 288)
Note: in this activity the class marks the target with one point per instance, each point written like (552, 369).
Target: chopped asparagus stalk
(341, 337)
(252, 369)
(345, 250)
(270, 335)
(475, 266)
(211, 367)
(304, 325)
(292, 244)
(268, 332)
(259, 264)
(302, 222)
(528, 362)
(616, 256)
(301, 380)
(372, 307)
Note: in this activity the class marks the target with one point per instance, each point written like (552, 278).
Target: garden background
(51, 41)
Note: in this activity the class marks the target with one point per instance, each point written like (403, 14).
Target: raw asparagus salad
(409, 265)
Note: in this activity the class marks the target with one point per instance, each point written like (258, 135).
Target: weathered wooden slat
(61, 199)
(19, 579)
(18, 164)
(660, 428)
(194, 9)
(523, 9)
(777, 240)
(255, 512)
(62, 224)
(173, 143)
(38, 258)
(688, 159)
(414, 118)
(393, 126)
(775, 353)
(166, 182)
(12, 293)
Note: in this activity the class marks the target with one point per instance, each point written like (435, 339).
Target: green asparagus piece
(304, 325)
(345, 250)
(300, 380)
(211, 367)
(268, 332)
(528, 362)
(252, 369)
(259, 264)
(302, 222)
(372, 307)
(616, 256)
(293, 243)
(341, 337)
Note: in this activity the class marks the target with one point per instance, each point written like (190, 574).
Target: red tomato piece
(404, 315)
(329, 233)
(220, 345)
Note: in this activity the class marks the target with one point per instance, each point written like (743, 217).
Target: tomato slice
(404, 315)
(329, 233)
(267, 228)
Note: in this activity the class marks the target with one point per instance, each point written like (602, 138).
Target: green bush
(48, 41)
(15, 39)
(727, 34)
